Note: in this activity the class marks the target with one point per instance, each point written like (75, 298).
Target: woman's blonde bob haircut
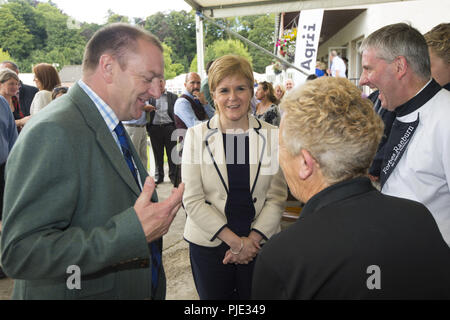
(230, 65)
(329, 118)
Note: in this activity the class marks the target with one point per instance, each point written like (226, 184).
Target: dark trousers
(2, 188)
(216, 281)
(161, 138)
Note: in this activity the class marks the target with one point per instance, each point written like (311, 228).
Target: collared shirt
(8, 130)
(109, 116)
(142, 121)
(183, 110)
(423, 172)
(106, 112)
(338, 65)
(162, 110)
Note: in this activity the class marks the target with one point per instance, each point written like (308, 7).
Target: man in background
(338, 67)
(192, 107)
(160, 128)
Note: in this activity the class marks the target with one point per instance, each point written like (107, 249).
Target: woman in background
(46, 78)
(59, 91)
(9, 86)
(279, 92)
(267, 109)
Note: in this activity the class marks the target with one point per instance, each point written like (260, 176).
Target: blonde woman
(438, 41)
(279, 92)
(235, 191)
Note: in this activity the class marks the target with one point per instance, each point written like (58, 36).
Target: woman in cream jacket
(235, 191)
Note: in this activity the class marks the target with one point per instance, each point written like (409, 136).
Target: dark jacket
(26, 96)
(343, 233)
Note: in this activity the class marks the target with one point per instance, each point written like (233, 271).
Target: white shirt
(338, 65)
(423, 172)
(40, 101)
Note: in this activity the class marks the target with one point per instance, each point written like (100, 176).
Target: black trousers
(161, 138)
(2, 188)
(216, 281)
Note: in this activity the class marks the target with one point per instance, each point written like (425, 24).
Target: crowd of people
(86, 199)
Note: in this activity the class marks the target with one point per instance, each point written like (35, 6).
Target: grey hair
(401, 39)
(7, 74)
(12, 64)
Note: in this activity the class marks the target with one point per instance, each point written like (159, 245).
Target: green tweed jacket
(69, 202)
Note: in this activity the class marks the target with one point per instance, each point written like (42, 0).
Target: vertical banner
(308, 35)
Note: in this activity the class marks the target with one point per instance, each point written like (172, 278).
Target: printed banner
(309, 28)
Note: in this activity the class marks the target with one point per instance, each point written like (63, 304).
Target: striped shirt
(109, 116)
(106, 112)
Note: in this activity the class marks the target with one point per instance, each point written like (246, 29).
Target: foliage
(171, 70)
(32, 32)
(4, 55)
(287, 44)
(177, 30)
(263, 34)
(221, 48)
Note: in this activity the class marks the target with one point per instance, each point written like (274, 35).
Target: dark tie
(156, 246)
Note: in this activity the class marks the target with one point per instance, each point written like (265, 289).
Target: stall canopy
(344, 11)
(231, 8)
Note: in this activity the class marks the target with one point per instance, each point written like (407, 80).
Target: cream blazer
(204, 172)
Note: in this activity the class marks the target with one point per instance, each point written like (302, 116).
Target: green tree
(221, 48)
(4, 55)
(171, 70)
(262, 33)
(24, 11)
(177, 30)
(114, 17)
(61, 33)
(14, 35)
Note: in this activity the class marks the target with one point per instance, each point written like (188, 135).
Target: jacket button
(255, 200)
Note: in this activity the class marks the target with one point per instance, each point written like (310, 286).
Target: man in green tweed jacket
(71, 201)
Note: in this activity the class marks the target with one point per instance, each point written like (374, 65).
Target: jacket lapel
(257, 149)
(104, 137)
(215, 151)
(214, 138)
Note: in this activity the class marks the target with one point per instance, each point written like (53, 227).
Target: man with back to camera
(87, 203)
(351, 241)
(416, 163)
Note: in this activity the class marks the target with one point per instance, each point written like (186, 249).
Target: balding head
(10, 65)
(193, 83)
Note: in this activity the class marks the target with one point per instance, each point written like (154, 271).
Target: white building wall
(421, 14)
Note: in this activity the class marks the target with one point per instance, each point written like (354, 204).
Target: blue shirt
(8, 130)
(109, 116)
(183, 110)
(140, 122)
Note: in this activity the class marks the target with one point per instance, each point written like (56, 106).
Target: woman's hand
(247, 254)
